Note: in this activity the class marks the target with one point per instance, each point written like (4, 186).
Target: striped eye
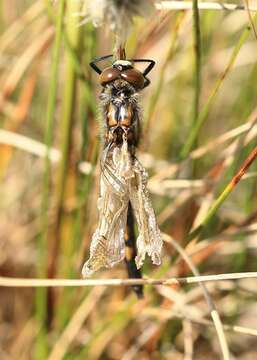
(108, 75)
(134, 77)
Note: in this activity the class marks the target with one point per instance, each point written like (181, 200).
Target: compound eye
(134, 77)
(108, 75)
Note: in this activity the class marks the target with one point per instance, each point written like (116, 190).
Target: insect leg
(147, 82)
(148, 68)
(97, 60)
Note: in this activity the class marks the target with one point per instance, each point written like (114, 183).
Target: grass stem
(41, 301)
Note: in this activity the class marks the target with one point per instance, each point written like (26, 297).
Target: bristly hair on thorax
(118, 92)
(113, 91)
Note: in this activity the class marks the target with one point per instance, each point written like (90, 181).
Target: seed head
(116, 14)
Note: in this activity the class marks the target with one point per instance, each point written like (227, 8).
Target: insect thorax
(121, 112)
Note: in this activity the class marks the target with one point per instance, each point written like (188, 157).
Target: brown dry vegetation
(48, 213)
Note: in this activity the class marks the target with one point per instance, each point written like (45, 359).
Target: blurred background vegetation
(48, 204)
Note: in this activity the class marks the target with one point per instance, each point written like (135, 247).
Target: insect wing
(149, 240)
(108, 242)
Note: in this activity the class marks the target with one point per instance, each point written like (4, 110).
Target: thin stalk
(87, 118)
(250, 18)
(197, 70)
(205, 112)
(41, 310)
(2, 22)
(11, 282)
(161, 78)
(206, 5)
(213, 311)
(82, 75)
(66, 178)
(223, 196)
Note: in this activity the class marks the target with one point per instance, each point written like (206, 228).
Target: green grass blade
(41, 294)
(205, 112)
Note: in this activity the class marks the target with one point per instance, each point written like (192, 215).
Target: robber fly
(123, 179)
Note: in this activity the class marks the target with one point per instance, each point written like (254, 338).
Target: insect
(123, 179)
